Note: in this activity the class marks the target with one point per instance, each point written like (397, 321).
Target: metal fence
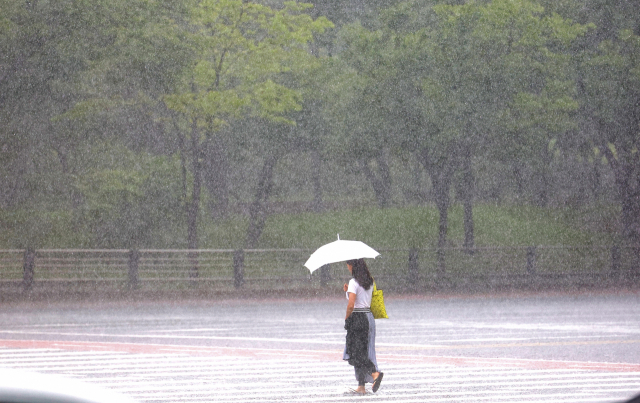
(496, 267)
(395, 269)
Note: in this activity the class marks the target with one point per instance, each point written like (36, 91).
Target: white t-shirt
(363, 297)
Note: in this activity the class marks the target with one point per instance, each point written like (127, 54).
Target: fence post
(28, 268)
(414, 268)
(134, 258)
(531, 260)
(238, 268)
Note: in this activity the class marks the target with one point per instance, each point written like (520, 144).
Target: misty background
(208, 124)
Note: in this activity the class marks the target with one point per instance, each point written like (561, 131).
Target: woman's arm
(350, 304)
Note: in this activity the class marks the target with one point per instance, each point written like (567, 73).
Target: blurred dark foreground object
(28, 387)
(634, 400)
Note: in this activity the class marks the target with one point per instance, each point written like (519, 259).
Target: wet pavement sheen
(565, 348)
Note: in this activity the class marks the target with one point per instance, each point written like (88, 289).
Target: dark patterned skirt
(360, 347)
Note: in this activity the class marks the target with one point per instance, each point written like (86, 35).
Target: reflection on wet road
(573, 348)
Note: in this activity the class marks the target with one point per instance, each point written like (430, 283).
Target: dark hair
(360, 272)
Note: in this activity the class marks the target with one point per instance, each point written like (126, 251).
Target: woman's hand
(345, 287)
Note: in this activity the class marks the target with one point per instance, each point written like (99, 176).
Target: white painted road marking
(566, 349)
(193, 374)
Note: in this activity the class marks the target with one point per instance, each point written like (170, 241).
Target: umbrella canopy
(339, 251)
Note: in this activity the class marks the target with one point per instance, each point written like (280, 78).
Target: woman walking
(360, 348)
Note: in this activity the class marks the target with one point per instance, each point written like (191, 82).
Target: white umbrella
(339, 251)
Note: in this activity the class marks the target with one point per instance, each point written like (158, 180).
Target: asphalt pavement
(516, 348)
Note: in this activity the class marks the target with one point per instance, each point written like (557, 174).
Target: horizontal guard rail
(417, 269)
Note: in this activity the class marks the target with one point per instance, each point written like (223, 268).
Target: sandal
(376, 382)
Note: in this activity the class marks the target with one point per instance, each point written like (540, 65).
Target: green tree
(498, 71)
(242, 50)
(365, 105)
(474, 76)
(609, 88)
(44, 49)
(35, 61)
(129, 198)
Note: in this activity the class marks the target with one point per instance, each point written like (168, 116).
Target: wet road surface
(554, 348)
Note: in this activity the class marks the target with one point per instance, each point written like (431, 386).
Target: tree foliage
(454, 82)
(185, 90)
(609, 80)
(243, 50)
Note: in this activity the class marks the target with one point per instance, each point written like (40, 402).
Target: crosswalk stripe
(187, 377)
(329, 355)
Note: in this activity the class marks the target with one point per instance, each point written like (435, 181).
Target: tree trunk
(468, 183)
(183, 168)
(216, 176)
(517, 174)
(257, 211)
(183, 154)
(194, 204)
(14, 183)
(420, 195)
(627, 176)
(63, 157)
(441, 173)
(631, 206)
(317, 181)
(596, 184)
(380, 181)
(385, 176)
(443, 225)
(543, 187)
(626, 169)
